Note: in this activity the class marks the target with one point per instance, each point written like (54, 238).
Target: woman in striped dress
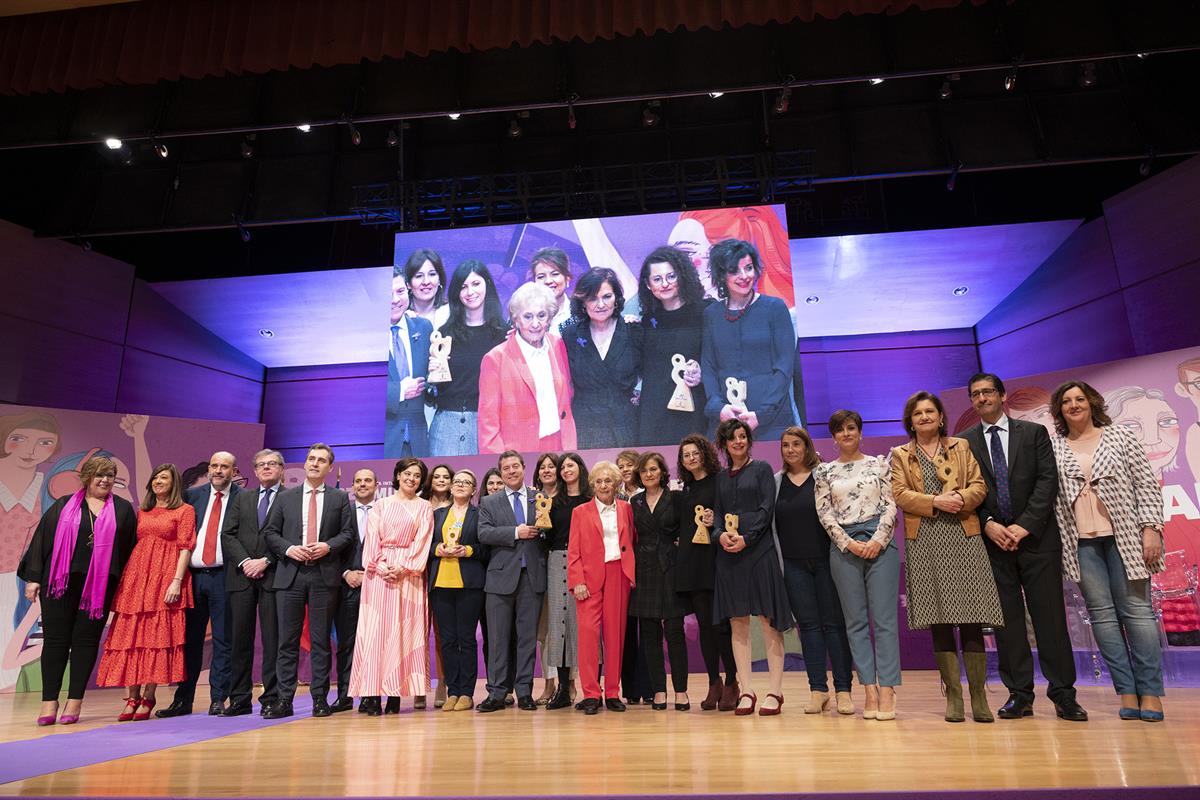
(390, 654)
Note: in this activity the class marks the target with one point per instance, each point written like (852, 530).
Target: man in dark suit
(345, 623)
(307, 530)
(516, 581)
(211, 504)
(1024, 547)
(408, 364)
(249, 583)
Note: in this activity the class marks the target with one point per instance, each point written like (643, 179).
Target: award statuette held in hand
(542, 504)
(731, 523)
(701, 536)
(735, 393)
(439, 358)
(681, 398)
(454, 535)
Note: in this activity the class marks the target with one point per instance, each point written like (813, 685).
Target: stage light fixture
(243, 231)
(945, 93)
(514, 128)
(304, 127)
(1143, 56)
(266, 333)
(875, 81)
(1087, 75)
(571, 122)
(715, 95)
(783, 100)
(113, 143)
(1147, 164)
(159, 147)
(1010, 80)
(952, 180)
(355, 135)
(248, 146)
(393, 137)
(649, 117)
(812, 300)
(455, 115)
(959, 291)
(87, 245)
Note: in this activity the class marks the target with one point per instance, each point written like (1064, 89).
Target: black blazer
(285, 527)
(1032, 481)
(472, 567)
(602, 407)
(241, 539)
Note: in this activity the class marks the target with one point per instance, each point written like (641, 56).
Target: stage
(643, 753)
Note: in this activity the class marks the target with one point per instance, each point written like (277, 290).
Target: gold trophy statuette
(701, 536)
(439, 358)
(453, 536)
(731, 523)
(681, 398)
(542, 504)
(735, 393)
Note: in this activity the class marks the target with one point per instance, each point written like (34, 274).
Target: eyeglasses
(462, 483)
(266, 464)
(117, 482)
(978, 393)
(664, 280)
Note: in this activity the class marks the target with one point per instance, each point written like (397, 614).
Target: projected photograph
(590, 333)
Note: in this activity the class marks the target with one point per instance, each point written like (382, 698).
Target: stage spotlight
(1143, 56)
(649, 117)
(243, 231)
(248, 146)
(455, 115)
(1087, 75)
(113, 143)
(875, 81)
(393, 137)
(159, 147)
(1010, 80)
(715, 95)
(355, 136)
(514, 128)
(266, 333)
(304, 127)
(952, 181)
(783, 100)
(812, 300)
(945, 93)
(959, 291)
(1147, 164)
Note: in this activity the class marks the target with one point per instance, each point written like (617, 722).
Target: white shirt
(202, 529)
(362, 510)
(308, 490)
(608, 524)
(538, 360)
(1002, 424)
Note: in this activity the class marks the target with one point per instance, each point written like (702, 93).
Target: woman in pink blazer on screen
(525, 383)
(600, 572)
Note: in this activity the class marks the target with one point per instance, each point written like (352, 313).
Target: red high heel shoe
(771, 712)
(144, 709)
(745, 712)
(131, 707)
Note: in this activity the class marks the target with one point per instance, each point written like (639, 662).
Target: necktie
(362, 521)
(1000, 470)
(264, 505)
(212, 530)
(310, 530)
(400, 355)
(518, 508)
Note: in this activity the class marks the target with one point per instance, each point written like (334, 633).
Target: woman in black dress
(696, 563)
(562, 630)
(654, 600)
(672, 301)
(604, 353)
(749, 578)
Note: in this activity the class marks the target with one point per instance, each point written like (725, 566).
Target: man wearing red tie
(208, 589)
(307, 530)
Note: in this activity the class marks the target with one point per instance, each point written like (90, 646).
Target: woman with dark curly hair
(673, 303)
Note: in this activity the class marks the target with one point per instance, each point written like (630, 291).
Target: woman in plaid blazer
(1109, 511)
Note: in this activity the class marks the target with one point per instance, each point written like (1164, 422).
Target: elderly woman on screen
(525, 384)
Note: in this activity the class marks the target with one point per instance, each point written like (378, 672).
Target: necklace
(937, 447)
(732, 314)
(91, 527)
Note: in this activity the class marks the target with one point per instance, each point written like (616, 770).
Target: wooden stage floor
(642, 752)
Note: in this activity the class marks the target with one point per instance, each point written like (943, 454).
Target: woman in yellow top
(457, 568)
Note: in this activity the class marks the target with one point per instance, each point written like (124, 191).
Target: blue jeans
(454, 433)
(818, 612)
(869, 591)
(1123, 620)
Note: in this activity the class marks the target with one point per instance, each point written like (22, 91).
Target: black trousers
(716, 639)
(308, 591)
(457, 612)
(345, 627)
(635, 678)
(1033, 576)
(69, 636)
(651, 635)
(249, 610)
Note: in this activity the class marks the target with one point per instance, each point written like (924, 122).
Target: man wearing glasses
(249, 573)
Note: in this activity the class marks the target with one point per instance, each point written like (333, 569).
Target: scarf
(103, 534)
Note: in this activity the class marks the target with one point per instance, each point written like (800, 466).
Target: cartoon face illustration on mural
(1156, 425)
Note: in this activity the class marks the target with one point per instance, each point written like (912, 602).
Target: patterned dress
(145, 641)
(391, 651)
(948, 574)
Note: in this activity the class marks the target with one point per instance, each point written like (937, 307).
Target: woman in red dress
(145, 645)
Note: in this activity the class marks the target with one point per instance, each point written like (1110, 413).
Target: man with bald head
(208, 590)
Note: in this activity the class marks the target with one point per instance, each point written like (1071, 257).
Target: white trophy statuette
(439, 358)
(681, 398)
(735, 393)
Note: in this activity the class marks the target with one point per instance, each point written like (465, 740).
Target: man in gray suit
(307, 529)
(516, 581)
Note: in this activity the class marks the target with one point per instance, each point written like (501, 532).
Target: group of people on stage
(577, 370)
(602, 564)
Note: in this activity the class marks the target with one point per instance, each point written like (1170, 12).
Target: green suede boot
(952, 684)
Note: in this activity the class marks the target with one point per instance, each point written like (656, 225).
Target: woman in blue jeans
(856, 508)
(1109, 511)
(804, 546)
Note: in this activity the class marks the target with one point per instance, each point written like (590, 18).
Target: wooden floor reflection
(642, 751)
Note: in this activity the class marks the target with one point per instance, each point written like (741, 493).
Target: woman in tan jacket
(937, 483)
